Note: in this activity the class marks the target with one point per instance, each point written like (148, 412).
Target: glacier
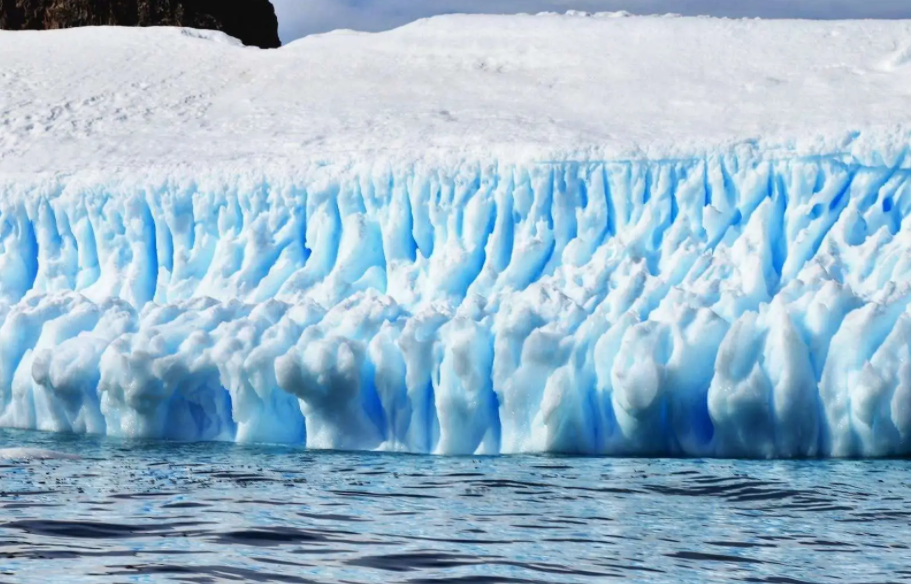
(705, 297)
(701, 307)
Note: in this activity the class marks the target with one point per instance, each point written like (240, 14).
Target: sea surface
(131, 511)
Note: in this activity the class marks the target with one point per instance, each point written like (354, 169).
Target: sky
(298, 18)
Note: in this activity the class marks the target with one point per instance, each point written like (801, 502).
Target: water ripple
(213, 513)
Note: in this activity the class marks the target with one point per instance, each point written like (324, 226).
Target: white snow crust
(447, 89)
(593, 234)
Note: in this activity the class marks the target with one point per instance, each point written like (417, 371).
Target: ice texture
(706, 307)
(668, 236)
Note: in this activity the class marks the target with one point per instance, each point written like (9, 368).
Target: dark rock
(252, 21)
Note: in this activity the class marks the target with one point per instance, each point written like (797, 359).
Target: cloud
(302, 17)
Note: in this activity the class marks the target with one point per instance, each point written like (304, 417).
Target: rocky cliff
(252, 21)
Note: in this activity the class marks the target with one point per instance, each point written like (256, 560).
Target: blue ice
(719, 306)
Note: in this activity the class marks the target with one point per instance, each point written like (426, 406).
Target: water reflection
(129, 511)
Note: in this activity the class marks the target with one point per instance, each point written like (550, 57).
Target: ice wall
(720, 306)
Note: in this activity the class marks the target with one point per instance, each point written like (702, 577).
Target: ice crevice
(714, 306)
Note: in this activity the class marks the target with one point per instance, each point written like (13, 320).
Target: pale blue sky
(301, 17)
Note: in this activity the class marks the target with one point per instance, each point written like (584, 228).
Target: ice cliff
(547, 252)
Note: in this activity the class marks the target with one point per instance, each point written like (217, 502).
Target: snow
(594, 234)
(473, 88)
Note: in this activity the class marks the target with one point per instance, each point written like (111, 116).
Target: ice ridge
(715, 306)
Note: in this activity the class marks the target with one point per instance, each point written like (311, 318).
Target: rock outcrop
(252, 21)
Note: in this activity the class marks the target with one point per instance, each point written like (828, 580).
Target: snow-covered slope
(478, 88)
(472, 234)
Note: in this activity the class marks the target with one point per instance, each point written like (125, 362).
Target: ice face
(719, 306)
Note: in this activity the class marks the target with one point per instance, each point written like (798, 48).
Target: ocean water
(209, 512)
